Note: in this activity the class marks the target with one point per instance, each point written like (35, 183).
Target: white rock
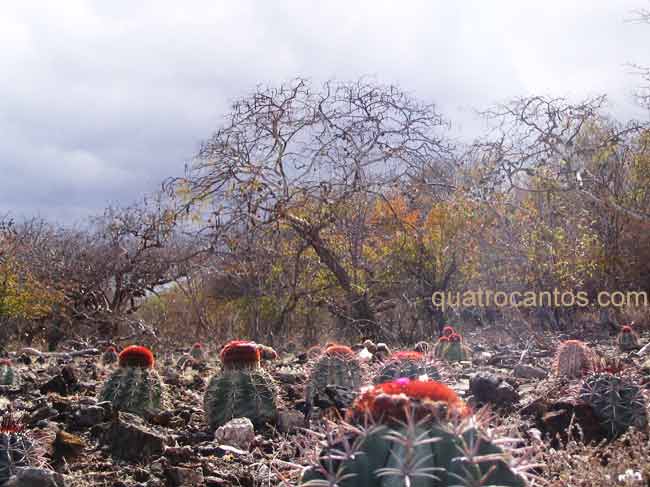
(237, 432)
(365, 355)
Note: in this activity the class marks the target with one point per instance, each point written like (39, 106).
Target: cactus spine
(618, 404)
(337, 366)
(17, 447)
(7, 374)
(573, 359)
(411, 365)
(242, 389)
(135, 386)
(421, 436)
(627, 340)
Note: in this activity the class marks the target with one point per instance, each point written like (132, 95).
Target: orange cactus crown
(136, 356)
(392, 400)
(448, 331)
(626, 329)
(240, 353)
(333, 349)
(443, 339)
(407, 355)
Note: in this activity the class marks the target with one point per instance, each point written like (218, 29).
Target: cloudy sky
(100, 101)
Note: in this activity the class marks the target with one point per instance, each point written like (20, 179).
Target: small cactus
(417, 433)
(448, 331)
(197, 353)
(627, 340)
(18, 447)
(135, 386)
(337, 366)
(573, 359)
(617, 403)
(439, 348)
(109, 356)
(407, 364)
(242, 389)
(7, 374)
(454, 350)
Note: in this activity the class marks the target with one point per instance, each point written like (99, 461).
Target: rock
(36, 477)
(129, 438)
(216, 482)
(290, 420)
(488, 388)
(64, 383)
(237, 432)
(89, 416)
(555, 418)
(67, 445)
(183, 476)
(529, 372)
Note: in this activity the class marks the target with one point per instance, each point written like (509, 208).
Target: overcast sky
(100, 101)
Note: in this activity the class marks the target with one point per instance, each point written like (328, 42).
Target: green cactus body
(241, 393)
(410, 365)
(440, 347)
(136, 390)
(454, 350)
(627, 340)
(135, 387)
(17, 448)
(242, 389)
(573, 359)
(430, 450)
(7, 375)
(197, 352)
(334, 368)
(617, 403)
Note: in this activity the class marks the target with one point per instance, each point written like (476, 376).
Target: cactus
(454, 350)
(197, 353)
(337, 366)
(406, 364)
(448, 331)
(573, 359)
(7, 375)
(267, 353)
(617, 403)
(420, 434)
(627, 340)
(135, 386)
(18, 447)
(441, 344)
(242, 389)
(109, 356)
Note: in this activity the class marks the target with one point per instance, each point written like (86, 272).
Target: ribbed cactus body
(342, 370)
(136, 390)
(422, 435)
(410, 367)
(573, 359)
(248, 392)
(7, 375)
(14, 452)
(617, 403)
(627, 340)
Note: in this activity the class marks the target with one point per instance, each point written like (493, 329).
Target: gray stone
(36, 477)
(529, 372)
(129, 438)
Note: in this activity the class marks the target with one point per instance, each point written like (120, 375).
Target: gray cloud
(99, 101)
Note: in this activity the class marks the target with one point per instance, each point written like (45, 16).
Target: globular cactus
(109, 356)
(18, 447)
(441, 345)
(448, 331)
(135, 386)
(617, 403)
(337, 366)
(7, 374)
(411, 365)
(242, 389)
(573, 359)
(413, 433)
(454, 350)
(197, 353)
(627, 340)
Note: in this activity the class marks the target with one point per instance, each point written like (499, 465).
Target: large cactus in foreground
(573, 359)
(7, 374)
(337, 366)
(420, 435)
(411, 365)
(135, 386)
(617, 403)
(18, 448)
(242, 389)
(627, 340)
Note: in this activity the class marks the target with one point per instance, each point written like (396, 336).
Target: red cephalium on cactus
(396, 400)
(136, 356)
(448, 331)
(240, 353)
(455, 337)
(339, 350)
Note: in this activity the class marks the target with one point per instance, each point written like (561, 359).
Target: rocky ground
(89, 444)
